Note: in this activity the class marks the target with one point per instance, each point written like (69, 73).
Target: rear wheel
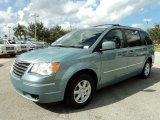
(146, 70)
(80, 91)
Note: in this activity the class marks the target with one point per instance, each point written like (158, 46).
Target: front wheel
(146, 70)
(80, 91)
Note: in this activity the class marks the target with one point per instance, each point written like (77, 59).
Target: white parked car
(32, 46)
(38, 44)
(44, 44)
(35, 44)
(7, 49)
(16, 45)
(20, 46)
(25, 46)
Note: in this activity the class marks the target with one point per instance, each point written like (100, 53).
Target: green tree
(155, 33)
(20, 31)
(41, 31)
(57, 32)
(46, 35)
(5, 36)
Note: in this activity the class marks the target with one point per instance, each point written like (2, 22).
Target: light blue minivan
(82, 61)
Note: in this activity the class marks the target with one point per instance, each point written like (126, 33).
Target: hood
(49, 54)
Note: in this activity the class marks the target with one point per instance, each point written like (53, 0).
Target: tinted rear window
(133, 38)
(146, 37)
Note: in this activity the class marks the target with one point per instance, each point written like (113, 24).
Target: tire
(146, 70)
(80, 91)
(13, 55)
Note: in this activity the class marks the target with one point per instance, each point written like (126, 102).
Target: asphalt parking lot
(133, 99)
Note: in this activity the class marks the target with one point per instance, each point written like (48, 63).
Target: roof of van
(115, 25)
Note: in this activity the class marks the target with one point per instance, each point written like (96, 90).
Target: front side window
(133, 38)
(79, 38)
(116, 36)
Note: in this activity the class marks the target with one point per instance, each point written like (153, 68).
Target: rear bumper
(41, 93)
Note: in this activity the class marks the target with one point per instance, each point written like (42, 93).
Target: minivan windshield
(83, 38)
(11, 41)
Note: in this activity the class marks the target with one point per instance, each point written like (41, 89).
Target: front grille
(10, 52)
(9, 48)
(19, 68)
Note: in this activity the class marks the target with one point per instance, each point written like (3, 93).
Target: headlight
(12, 66)
(45, 68)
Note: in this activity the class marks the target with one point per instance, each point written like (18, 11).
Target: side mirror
(108, 45)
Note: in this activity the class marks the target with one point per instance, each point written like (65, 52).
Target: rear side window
(133, 38)
(146, 37)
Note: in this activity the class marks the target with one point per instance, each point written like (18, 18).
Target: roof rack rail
(103, 25)
(106, 25)
(129, 26)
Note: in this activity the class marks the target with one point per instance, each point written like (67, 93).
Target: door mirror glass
(108, 45)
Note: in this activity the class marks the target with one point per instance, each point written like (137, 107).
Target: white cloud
(72, 13)
(21, 14)
(90, 2)
(137, 25)
(147, 20)
(84, 12)
(5, 1)
(27, 8)
(142, 10)
(71, 7)
(8, 18)
(111, 12)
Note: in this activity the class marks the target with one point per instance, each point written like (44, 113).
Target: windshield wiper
(67, 46)
(58, 46)
(76, 46)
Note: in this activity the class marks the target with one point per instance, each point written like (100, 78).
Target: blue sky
(150, 13)
(78, 13)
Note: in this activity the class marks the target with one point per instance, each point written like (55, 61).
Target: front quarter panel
(69, 68)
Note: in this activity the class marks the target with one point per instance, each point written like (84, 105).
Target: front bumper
(33, 88)
(24, 50)
(7, 52)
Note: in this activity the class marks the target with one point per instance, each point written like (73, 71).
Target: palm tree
(20, 31)
(56, 32)
(5, 36)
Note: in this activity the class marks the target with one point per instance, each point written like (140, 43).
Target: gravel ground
(133, 99)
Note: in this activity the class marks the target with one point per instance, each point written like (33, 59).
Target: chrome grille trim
(17, 73)
(14, 68)
(19, 68)
(23, 46)
(9, 48)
